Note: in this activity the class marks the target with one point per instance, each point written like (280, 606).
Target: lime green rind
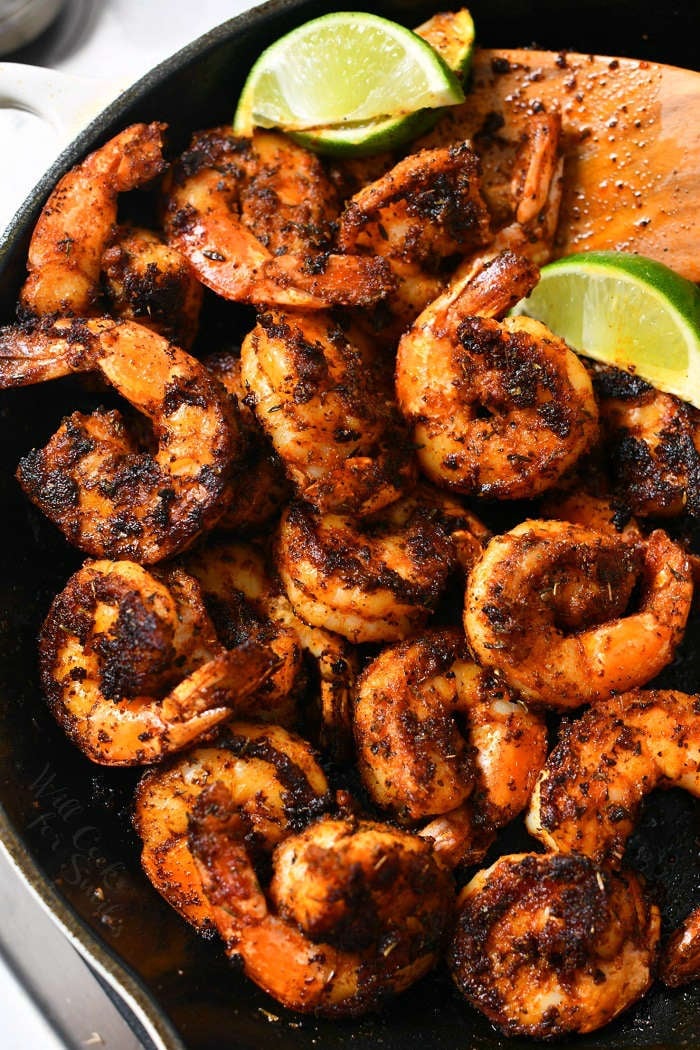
(368, 139)
(625, 310)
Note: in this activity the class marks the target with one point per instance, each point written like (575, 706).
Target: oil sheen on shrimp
(378, 580)
(253, 217)
(110, 497)
(146, 280)
(356, 911)
(498, 409)
(276, 786)
(131, 666)
(550, 605)
(588, 795)
(327, 411)
(421, 765)
(547, 945)
(66, 248)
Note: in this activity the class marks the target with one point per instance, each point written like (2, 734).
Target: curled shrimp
(147, 281)
(65, 251)
(548, 606)
(276, 786)
(253, 218)
(115, 642)
(255, 505)
(497, 409)
(419, 764)
(420, 215)
(327, 411)
(356, 911)
(239, 574)
(108, 497)
(377, 580)
(589, 793)
(652, 440)
(549, 944)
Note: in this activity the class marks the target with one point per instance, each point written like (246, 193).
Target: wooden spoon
(631, 132)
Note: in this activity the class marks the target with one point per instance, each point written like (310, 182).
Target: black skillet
(66, 822)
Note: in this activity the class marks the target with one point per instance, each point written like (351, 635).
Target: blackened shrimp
(418, 760)
(589, 793)
(327, 411)
(256, 504)
(550, 605)
(65, 251)
(422, 215)
(241, 574)
(547, 945)
(146, 280)
(376, 580)
(253, 217)
(652, 440)
(356, 911)
(131, 666)
(110, 497)
(498, 409)
(276, 786)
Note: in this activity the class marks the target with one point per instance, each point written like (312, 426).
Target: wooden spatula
(631, 138)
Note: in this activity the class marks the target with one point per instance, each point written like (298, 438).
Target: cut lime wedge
(624, 310)
(451, 34)
(343, 72)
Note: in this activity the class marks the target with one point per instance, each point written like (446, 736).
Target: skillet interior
(67, 821)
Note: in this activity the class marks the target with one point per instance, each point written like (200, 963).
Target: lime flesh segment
(624, 310)
(344, 68)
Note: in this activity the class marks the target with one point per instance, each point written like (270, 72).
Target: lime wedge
(451, 34)
(624, 310)
(333, 78)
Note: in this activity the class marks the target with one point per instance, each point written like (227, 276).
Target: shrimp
(589, 793)
(420, 215)
(148, 281)
(370, 582)
(356, 911)
(549, 944)
(276, 786)
(65, 250)
(547, 606)
(418, 763)
(497, 409)
(112, 646)
(253, 218)
(239, 573)
(327, 411)
(652, 440)
(109, 498)
(255, 505)
(680, 959)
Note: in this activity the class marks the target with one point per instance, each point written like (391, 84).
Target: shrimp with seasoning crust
(372, 581)
(65, 252)
(115, 642)
(328, 412)
(109, 497)
(499, 410)
(238, 576)
(546, 945)
(418, 764)
(356, 911)
(548, 605)
(276, 786)
(652, 441)
(146, 280)
(254, 219)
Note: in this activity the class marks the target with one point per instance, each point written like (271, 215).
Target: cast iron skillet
(66, 822)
